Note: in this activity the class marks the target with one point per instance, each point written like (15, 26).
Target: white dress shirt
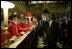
(50, 23)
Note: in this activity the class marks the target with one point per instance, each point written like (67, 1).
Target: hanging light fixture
(51, 1)
(47, 1)
(41, 1)
(34, 2)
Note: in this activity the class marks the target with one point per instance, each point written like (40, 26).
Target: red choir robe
(26, 27)
(23, 27)
(3, 38)
(13, 29)
(66, 32)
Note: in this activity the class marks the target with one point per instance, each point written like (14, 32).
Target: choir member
(13, 29)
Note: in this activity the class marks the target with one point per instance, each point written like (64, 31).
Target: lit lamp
(15, 13)
(6, 5)
(21, 15)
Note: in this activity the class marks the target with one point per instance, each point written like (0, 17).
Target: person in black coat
(40, 28)
(51, 32)
(69, 31)
(66, 30)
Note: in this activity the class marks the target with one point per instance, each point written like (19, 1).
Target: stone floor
(42, 44)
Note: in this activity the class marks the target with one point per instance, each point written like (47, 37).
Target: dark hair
(53, 17)
(45, 11)
(12, 16)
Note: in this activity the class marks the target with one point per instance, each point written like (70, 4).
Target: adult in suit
(51, 32)
(66, 31)
(69, 31)
(40, 28)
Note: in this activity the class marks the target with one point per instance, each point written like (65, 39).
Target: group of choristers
(15, 27)
(18, 27)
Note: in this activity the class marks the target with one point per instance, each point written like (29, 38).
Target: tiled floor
(41, 42)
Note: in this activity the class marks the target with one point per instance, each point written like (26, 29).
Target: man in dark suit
(66, 31)
(69, 31)
(40, 28)
(51, 32)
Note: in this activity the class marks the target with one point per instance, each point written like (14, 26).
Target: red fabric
(24, 27)
(2, 38)
(21, 28)
(66, 32)
(29, 14)
(13, 29)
